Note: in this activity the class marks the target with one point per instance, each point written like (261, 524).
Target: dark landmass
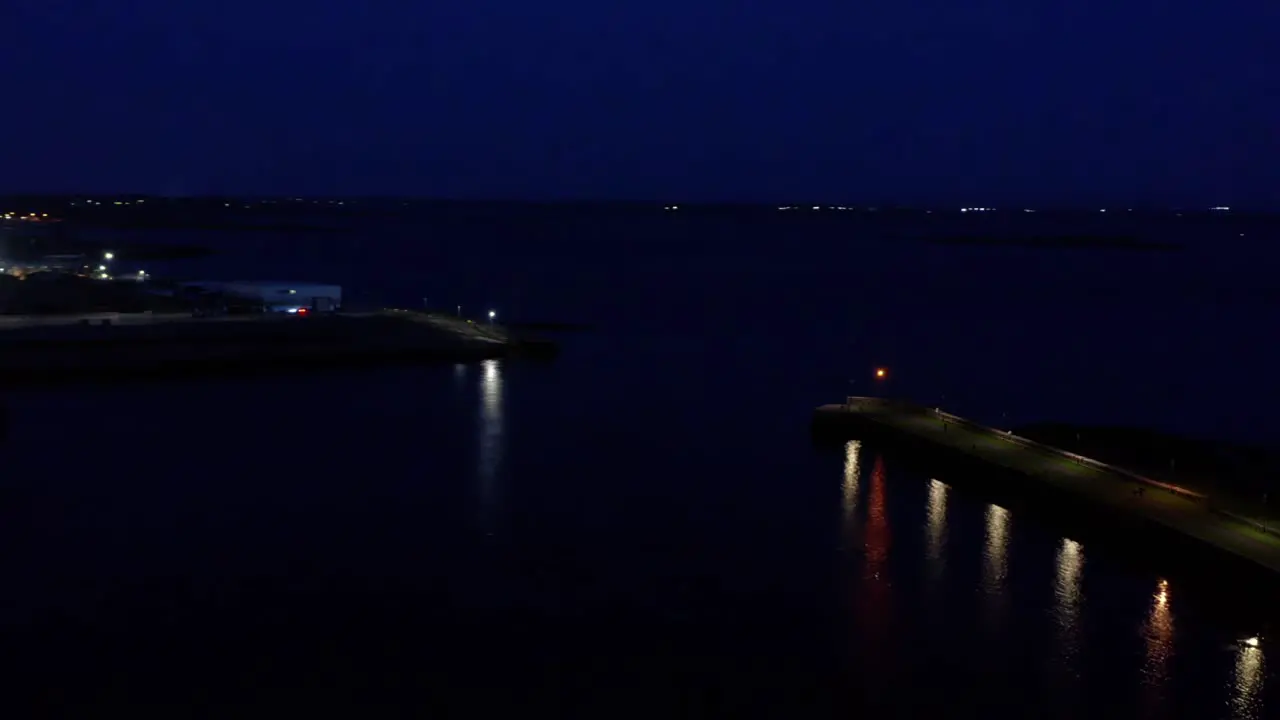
(60, 293)
(138, 347)
(186, 211)
(1069, 241)
(1227, 472)
(140, 221)
(28, 242)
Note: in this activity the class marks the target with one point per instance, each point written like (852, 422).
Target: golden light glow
(1070, 599)
(881, 372)
(936, 527)
(1159, 636)
(1249, 676)
(995, 554)
(492, 441)
(852, 469)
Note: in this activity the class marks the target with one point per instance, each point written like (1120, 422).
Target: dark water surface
(644, 523)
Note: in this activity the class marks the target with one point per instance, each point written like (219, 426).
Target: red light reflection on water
(878, 536)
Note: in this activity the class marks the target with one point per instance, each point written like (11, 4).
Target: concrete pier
(1187, 512)
(107, 346)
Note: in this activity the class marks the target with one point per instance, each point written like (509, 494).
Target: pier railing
(1106, 467)
(1074, 457)
(903, 406)
(899, 405)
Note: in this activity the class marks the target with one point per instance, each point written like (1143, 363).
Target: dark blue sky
(987, 101)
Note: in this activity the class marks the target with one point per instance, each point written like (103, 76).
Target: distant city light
(109, 255)
(881, 373)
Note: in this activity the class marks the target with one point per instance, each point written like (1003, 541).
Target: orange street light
(881, 373)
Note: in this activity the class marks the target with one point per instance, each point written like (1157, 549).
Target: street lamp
(108, 256)
(492, 315)
(881, 375)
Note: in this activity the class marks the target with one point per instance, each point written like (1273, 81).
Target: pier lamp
(492, 315)
(108, 256)
(881, 377)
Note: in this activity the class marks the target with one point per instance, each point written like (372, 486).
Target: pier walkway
(1178, 508)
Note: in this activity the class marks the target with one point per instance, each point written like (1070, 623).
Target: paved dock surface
(1174, 507)
(479, 331)
(468, 331)
(102, 346)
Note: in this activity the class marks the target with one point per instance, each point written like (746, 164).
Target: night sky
(914, 101)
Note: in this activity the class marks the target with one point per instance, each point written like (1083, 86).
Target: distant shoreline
(206, 225)
(1069, 241)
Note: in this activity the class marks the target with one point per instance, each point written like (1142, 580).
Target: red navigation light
(302, 311)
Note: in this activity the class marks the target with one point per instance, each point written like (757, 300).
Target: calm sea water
(645, 521)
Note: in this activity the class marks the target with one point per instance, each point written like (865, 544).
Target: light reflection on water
(1054, 648)
(1158, 633)
(873, 596)
(937, 529)
(852, 460)
(878, 534)
(1068, 601)
(1247, 684)
(995, 566)
(491, 439)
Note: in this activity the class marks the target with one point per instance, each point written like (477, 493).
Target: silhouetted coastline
(1110, 242)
